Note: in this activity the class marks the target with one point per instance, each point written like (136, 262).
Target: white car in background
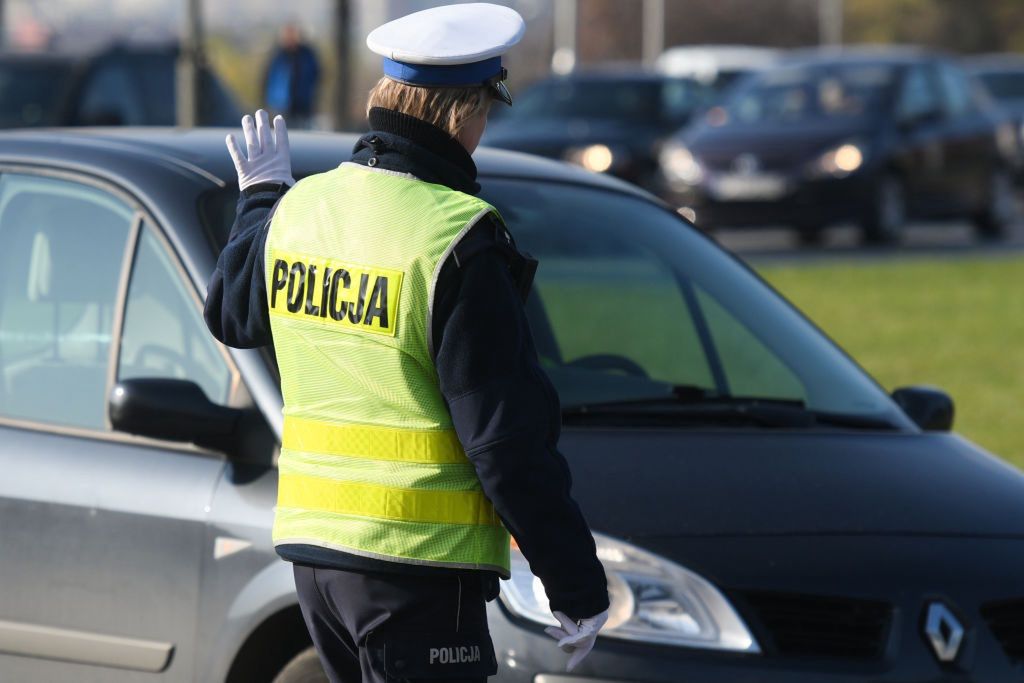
(716, 65)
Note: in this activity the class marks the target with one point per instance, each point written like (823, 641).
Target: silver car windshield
(631, 303)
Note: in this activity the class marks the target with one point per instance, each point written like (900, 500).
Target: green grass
(956, 324)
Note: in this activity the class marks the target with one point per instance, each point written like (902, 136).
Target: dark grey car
(763, 509)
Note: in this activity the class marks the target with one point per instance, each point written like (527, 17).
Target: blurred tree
(609, 30)
(956, 25)
(776, 23)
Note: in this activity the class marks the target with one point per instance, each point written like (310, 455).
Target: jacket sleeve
(236, 297)
(507, 416)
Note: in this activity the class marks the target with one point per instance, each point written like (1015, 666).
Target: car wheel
(810, 234)
(305, 667)
(1000, 210)
(887, 214)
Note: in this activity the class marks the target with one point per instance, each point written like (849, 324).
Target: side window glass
(918, 96)
(957, 96)
(60, 265)
(111, 98)
(751, 369)
(164, 334)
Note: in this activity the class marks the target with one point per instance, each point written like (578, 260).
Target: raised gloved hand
(576, 639)
(268, 159)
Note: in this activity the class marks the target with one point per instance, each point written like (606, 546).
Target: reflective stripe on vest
(379, 443)
(370, 463)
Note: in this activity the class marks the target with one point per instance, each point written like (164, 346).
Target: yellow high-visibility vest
(370, 463)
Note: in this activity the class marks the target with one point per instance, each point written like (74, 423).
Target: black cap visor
(498, 88)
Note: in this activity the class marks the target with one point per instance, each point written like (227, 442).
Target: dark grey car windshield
(806, 94)
(623, 100)
(1005, 86)
(630, 302)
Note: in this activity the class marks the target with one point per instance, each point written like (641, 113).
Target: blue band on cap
(448, 74)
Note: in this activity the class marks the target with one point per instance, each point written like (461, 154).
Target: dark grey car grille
(1006, 619)
(817, 626)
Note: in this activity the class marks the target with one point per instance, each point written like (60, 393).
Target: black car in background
(1002, 76)
(120, 86)
(875, 136)
(610, 121)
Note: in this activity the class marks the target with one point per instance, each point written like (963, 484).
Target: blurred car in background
(607, 121)
(1002, 76)
(120, 86)
(764, 510)
(874, 135)
(718, 66)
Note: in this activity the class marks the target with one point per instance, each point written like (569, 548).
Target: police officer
(419, 428)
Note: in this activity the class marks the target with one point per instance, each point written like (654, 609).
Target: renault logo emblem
(944, 632)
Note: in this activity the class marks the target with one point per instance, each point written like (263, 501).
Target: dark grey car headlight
(653, 600)
(839, 161)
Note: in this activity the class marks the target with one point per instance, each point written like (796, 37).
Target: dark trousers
(377, 627)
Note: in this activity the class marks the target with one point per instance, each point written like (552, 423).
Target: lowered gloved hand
(269, 159)
(577, 639)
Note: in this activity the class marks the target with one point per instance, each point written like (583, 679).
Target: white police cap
(450, 46)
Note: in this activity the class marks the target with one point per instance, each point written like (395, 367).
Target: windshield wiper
(697, 405)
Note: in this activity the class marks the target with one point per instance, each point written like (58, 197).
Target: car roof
(116, 49)
(720, 57)
(34, 58)
(861, 54)
(624, 71)
(202, 152)
(994, 62)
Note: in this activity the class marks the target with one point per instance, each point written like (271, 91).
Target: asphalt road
(921, 239)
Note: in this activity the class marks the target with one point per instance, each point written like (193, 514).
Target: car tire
(1000, 211)
(810, 234)
(304, 667)
(886, 215)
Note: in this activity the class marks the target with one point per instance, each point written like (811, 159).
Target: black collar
(402, 143)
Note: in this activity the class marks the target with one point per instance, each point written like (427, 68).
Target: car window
(164, 334)
(957, 93)
(1005, 86)
(628, 100)
(629, 302)
(154, 75)
(918, 96)
(111, 98)
(31, 93)
(60, 265)
(799, 94)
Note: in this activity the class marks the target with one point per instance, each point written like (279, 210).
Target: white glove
(269, 159)
(577, 639)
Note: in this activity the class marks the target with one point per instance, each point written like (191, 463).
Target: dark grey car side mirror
(930, 408)
(177, 410)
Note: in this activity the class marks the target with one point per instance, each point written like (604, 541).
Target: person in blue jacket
(290, 84)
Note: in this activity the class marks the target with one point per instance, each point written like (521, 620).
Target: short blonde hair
(447, 108)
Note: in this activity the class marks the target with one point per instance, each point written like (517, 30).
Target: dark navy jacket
(503, 406)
